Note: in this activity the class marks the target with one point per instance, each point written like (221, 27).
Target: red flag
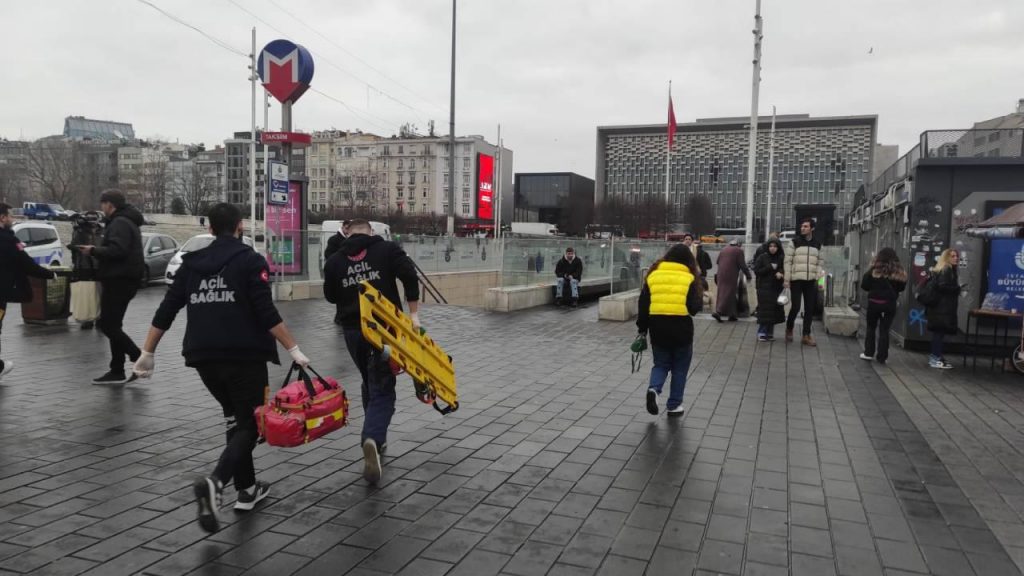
(671, 123)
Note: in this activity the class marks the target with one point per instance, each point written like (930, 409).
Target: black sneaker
(652, 401)
(247, 499)
(371, 461)
(115, 378)
(716, 316)
(208, 496)
(558, 301)
(575, 303)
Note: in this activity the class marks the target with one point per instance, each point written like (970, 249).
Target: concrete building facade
(818, 161)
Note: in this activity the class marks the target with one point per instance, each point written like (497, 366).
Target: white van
(41, 242)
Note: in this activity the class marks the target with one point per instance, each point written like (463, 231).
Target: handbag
(302, 410)
(927, 295)
(637, 348)
(783, 298)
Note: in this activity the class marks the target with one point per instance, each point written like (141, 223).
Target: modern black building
(565, 199)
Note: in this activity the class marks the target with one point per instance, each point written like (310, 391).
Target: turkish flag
(671, 123)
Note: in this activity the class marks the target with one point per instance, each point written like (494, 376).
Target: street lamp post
(451, 138)
(752, 153)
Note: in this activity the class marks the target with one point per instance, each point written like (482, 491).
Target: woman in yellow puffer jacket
(671, 295)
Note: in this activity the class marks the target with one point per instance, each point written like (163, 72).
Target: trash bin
(51, 299)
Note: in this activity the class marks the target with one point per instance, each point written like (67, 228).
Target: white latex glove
(415, 317)
(298, 357)
(143, 367)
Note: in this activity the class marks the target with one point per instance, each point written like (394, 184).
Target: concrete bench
(621, 307)
(841, 321)
(512, 298)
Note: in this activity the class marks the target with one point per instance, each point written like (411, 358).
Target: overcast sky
(549, 71)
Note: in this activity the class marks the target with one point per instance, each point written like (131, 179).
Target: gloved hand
(143, 367)
(415, 317)
(298, 357)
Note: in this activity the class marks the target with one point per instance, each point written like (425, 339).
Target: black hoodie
(120, 251)
(226, 287)
(15, 268)
(373, 259)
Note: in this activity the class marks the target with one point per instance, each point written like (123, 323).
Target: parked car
(157, 249)
(42, 211)
(42, 242)
(194, 243)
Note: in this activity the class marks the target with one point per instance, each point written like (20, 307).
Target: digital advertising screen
(485, 187)
(284, 225)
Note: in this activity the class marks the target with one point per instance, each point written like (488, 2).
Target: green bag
(637, 348)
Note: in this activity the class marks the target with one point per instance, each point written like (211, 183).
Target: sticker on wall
(938, 208)
(920, 259)
(956, 212)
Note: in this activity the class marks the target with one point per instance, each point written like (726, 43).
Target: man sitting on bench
(568, 270)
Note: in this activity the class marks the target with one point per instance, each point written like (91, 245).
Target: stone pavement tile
(66, 566)
(618, 565)
(532, 511)
(119, 544)
(768, 549)
(557, 530)
(586, 550)
(188, 559)
(811, 541)
(671, 562)
(604, 523)
(377, 533)
(945, 562)
(480, 563)
(394, 555)
(635, 543)
(724, 557)
(483, 518)
(803, 565)
(278, 564)
(858, 561)
(452, 546)
(506, 537)
(533, 558)
(34, 558)
(757, 569)
(727, 528)
(901, 555)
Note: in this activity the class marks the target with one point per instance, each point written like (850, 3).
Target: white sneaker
(8, 366)
(371, 461)
(864, 356)
(675, 412)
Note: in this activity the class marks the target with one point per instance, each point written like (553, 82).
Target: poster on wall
(1006, 270)
(485, 187)
(284, 230)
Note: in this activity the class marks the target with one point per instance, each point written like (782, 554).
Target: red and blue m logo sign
(286, 69)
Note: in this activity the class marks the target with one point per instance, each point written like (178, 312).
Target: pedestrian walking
(15, 268)
(802, 270)
(365, 257)
(231, 327)
(671, 295)
(883, 282)
(703, 259)
(942, 315)
(768, 269)
(731, 263)
(121, 265)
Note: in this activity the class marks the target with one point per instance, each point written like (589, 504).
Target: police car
(41, 242)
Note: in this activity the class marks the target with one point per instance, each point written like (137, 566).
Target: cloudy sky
(549, 71)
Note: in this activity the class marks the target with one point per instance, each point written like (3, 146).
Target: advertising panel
(284, 227)
(485, 187)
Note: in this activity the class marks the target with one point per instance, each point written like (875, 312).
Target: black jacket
(226, 287)
(574, 268)
(120, 251)
(703, 261)
(373, 259)
(15, 268)
(942, 317)
(333, 245)
(882, 290)
(769, 287)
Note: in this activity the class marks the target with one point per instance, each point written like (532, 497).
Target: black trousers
(114, 299)
(880, 317)
(807, 291)
(239, 386)
(3, 312)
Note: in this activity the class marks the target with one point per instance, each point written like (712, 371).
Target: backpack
(927, 295)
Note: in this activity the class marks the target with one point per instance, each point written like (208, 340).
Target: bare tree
(700, 214)
(56, 167)
(197, 189)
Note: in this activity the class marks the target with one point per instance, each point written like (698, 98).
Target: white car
(42, 242)
(194, 243)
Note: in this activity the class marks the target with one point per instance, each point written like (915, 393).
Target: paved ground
(789, 461)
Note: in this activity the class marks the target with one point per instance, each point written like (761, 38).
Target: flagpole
(668, 162)
(771, 166)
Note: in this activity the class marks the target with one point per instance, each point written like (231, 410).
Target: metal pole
(266, 167)
(752, 154)
(496, 197)
(668, 153)
(771, 166)
(611, 266)
(451, 139)
(252, 136)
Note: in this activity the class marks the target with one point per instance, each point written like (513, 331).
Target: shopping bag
(85, 301)
(302, 410)
(783, 298)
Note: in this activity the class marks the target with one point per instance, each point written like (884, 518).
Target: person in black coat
(703, 258)
(229, 339)
(569, 269)
(121, 266)
(768, 269)
(883, 282)
(15, 268)
(942, 316)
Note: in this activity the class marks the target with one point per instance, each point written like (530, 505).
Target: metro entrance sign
(286, 70)
(298, 138)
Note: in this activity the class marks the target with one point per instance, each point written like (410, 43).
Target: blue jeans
(937, 342)
(766, 330)
(378, 386)
(676, 361)
(574, 285)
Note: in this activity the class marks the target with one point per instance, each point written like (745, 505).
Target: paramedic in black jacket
(15, 268)
(333, 245)
(121, 266)
(365, 257)
(568, 269)
(229, 338)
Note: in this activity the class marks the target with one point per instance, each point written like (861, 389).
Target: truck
(534, 229)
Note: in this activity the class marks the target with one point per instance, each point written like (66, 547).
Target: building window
(399, 163)
(386, 152)
(400, 151)
(424, 192)
(465, 163)
(465, 208)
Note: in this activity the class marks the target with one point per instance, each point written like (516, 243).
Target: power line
(360, 60)
(220, 43)
(333, 65)
(350, 109)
